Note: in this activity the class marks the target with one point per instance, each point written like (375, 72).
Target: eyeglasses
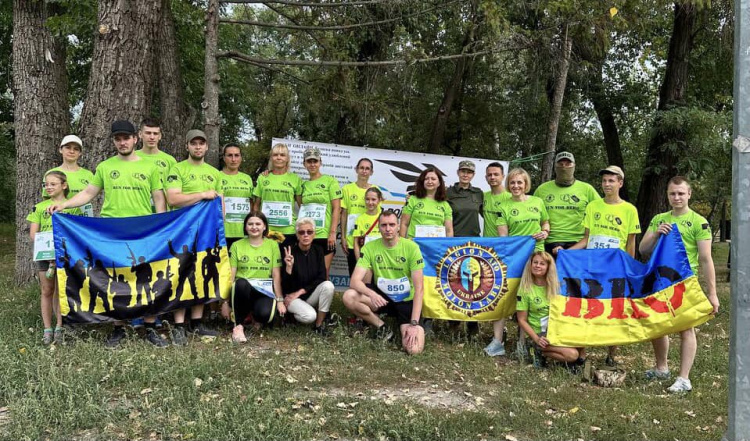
(306, 232)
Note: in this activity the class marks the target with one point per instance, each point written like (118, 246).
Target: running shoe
(155, 338)
(495, 348)
(115, 338)
(681, 385)
(656, 374)
(384, 333)
(48, 337)
(179, 336)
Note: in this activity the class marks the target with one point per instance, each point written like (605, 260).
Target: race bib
(370, 238)
(264, 286)
(316, 212)
(597, 242)
(351, 223)
(88, 210)
(279, 214)
(236, 209)
(429, 231)
(396, 289)
(44, 246)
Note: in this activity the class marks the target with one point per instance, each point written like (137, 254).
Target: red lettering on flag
(675, 301)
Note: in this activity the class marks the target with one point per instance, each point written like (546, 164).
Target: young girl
(366, 228)
(538, 286)
(56, 186)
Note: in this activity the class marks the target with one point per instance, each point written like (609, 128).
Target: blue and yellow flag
(608, 298)
(472, 279)
(125, 268)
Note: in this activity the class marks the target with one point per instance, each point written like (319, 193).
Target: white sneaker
(680, 385)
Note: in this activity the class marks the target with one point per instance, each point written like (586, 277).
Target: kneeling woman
(256, 276)
(538, 286)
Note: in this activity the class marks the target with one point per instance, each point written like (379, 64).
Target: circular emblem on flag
(471, 279)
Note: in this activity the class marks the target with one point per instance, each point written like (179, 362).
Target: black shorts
(42, 265)
(400, 310)
(548, 247)
(323, 244)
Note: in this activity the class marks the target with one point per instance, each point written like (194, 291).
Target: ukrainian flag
(125, 268)
(472, 278)
(608, 298)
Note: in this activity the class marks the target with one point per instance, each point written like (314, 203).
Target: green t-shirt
(238, 195)
(492, 211)
(77, 182)
(255, 262)
(524, 218)
(127, 186)
(276, 193)
(426, 211)
(353, 201)
(364, 222)
(164, 161)
(392, 267)
(40, 216)
(190, 178)
(692, 227)
(317, 196)
(609, 225)
(536, 304)
(566, 207)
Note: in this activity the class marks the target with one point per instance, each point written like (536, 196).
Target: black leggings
(247, 301)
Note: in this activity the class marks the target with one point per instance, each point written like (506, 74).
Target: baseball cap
(612, 170)
(311, 153)
(467, 165)
(195, 133)
(565, 155)
(122, 127)
(71, 139)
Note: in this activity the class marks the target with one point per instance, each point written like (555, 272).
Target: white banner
(394, 172)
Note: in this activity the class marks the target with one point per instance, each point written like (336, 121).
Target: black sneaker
(155, 338)
(202, 331)
(179, 336)
(321, 331)
(115, 338)
(611, 362)
(384, 333)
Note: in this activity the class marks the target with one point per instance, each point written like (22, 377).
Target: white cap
(71, 138)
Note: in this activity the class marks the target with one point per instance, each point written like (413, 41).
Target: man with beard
(188, 183)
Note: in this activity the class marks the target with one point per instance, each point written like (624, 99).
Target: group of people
(290, 274)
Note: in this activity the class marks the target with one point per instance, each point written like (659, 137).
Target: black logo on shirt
(140, 176)
(514, 212)
(266, 182)
(114, 174)
(161, 163)
(171, 178)
(379, 258)
(549, 198)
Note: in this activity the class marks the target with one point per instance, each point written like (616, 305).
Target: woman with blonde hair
(276, 193)
(539, 285)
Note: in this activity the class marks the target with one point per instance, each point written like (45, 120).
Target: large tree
(40, 87)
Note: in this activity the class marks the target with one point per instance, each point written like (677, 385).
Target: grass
(287, 384)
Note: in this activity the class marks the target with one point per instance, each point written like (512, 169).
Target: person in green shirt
(494, 199)
(237, 188)
(276, 192)
(610, 223)
(395, 267)
(130, 184)
(696, 235)
(189, 182)
(427, 213)
(78, 177)
(521, 215)
(150, 135)
(566, 199)
(539, 285)
(56, 187)
(352, 206)
(321, 202)
(366, 227)
(256, 277)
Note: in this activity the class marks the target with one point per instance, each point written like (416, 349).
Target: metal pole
(739, 348)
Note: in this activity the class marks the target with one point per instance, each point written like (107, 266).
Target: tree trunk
(553, 123)
(42, 117)
(177, 116)
(661, 157)
(211, 84)
(122, 71)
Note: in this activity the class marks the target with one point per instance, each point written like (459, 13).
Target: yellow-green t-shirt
(566, 207)
(77, 182)
(492, 211)
(40, 216)
(317, 196)
(191, 178)
(392, 267)
(277, 196)
(127, 186)
(164, 161)
(524, 218)
(536, 304)
(255, 262)
(238, 195)
(364, 222)
(692, 227)
(610, 225)
(353, 201)
(426, 211)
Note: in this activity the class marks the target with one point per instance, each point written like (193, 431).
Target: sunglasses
(306, 232)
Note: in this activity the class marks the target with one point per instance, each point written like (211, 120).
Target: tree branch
(332, 28)
(276, 69)
(310, 4)
(293, 20)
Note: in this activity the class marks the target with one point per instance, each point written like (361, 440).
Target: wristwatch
(279, 299)
(414, 322)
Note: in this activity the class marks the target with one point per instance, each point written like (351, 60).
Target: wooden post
(211, 85)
